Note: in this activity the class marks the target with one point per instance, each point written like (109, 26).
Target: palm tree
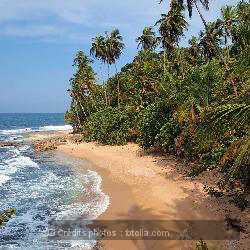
(210, 41)
(98, 51)
(97, 48)
(82, 85)
(171, 27)
(191, 4)
(194, 50)
(114, 45)
(147, 40)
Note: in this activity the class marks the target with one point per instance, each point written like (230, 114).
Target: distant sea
(43, 186)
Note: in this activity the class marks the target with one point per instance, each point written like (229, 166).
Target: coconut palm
(99, 51)
(114, 45)
(211, 41)
(172, 25)
(190, 6)
(147, 40)
(171, 28)
(98, 48)
(194, 50)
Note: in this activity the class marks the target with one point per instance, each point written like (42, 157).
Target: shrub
(167, 136)
(109, 126)
(150, 122)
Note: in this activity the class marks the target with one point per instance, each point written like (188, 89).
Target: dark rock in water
(8, 144)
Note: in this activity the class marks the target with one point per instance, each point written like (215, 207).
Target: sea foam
(40, 129)
(55, 128)
(3, 179)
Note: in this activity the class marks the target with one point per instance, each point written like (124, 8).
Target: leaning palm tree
(147, 40)
(210, 42)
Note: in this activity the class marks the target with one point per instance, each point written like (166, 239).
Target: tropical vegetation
(190, 101)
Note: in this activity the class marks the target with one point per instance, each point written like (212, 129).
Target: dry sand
(151, 187)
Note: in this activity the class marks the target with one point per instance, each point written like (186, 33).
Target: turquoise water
(43, 186)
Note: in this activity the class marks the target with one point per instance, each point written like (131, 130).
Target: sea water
(43, 186)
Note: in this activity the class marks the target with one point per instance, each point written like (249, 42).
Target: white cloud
(33, 31)
(76, 19)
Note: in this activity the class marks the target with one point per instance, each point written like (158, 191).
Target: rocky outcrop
(52, 143)
(8, 144)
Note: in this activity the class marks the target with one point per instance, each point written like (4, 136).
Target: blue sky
(39, 38)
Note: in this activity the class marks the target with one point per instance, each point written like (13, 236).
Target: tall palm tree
(97, 48)
(147, 40)
(114, 45)
(190, 6)
(194, 50)
(98, 51)
(205, 4)
(171, 27)
(210, 41)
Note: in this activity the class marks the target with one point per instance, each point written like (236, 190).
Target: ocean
(43, 187)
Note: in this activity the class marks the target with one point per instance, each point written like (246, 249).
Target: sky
(39, 39)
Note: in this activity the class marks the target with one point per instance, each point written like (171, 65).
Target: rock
(8, 144)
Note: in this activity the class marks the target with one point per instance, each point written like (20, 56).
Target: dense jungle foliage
(193, 102)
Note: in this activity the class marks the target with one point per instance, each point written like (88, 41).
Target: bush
(167, 136)
(150, 122)
(109, 126)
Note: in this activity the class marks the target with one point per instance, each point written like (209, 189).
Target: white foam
(3, 179)
(95, 207)
(25, 161)
(55, 128)
(10, 166)
(28, 130)
(16, 131)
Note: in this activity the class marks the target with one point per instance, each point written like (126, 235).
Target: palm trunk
(164, 62)
(201, 16)
(118, 86)
(77, 114)
(107, 90)
(82, 108)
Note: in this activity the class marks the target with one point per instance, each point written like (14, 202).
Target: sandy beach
(149, 186)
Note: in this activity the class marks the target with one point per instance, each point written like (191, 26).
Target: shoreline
(149, 186)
